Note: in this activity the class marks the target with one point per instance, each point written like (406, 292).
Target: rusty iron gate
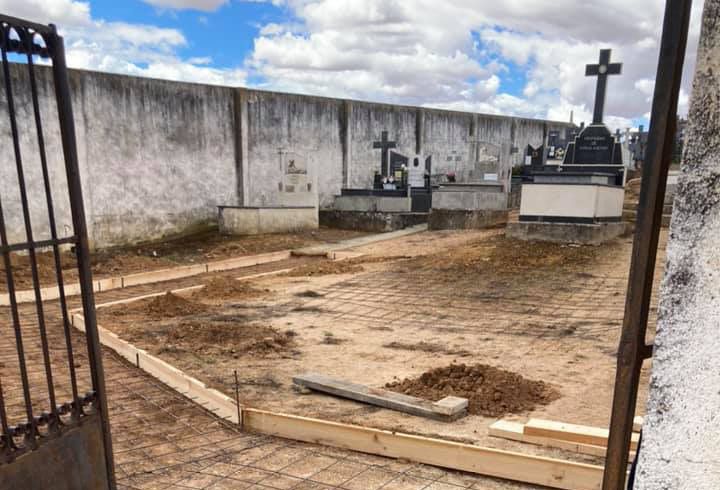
(54, 430)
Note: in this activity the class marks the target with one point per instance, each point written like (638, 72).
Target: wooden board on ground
(537, 470)
(572, 432)
(448, 409)
(514, 431)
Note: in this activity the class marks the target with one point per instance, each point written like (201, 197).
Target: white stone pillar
(681, 435)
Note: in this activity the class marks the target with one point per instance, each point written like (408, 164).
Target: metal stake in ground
(632, 350)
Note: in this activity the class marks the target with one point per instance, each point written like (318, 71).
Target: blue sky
(226, 35)
(515, 58)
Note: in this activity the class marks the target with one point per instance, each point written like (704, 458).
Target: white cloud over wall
(456, 54)
(119, 47)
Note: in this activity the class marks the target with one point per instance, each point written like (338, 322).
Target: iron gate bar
(77, 407)
(6, 440)
(30, 435)
(16, 247)
(67, 130)
(23, 41)
(53, 427)
(632, 349)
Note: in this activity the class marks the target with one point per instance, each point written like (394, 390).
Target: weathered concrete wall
(155, 157)
(366, 122)
(158, 157)
(309, 127)
(681, 433)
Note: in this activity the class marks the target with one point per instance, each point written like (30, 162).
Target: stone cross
(384, 145)
(602, 70)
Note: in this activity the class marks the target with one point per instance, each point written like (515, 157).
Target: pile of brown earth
(215, 337)
(220, 288)
(497, 255)
(325, 268)
(490, 391)
(45, 260)
(168, 305)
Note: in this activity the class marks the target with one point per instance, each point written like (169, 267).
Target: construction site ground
(546, 316)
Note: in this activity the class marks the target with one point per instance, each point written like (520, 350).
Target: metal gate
(54, 430)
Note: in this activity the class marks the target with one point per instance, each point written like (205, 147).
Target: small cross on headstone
(602, 70)
(384, 145)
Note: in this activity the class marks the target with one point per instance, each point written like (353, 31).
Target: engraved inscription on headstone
(594, 146)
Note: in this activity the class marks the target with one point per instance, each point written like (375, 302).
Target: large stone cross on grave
(602, 70)
(385, 146)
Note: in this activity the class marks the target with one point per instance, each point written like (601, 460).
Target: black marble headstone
(536, 155)
(595, 146)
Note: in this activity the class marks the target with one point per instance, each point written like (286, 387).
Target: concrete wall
(155, 157)
(158, 157)
(259, 221)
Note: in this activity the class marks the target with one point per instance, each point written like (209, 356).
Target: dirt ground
(542, 319)
(203, 247)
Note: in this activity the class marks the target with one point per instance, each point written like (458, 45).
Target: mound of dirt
(325, 268)
(226, 337)
(427, 347)
(228, 288)
(499, 255)
(490, 391)
(168, 305)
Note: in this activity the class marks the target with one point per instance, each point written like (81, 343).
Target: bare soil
(202, 247)
(543, 319)
(223, 288)
(498, 255)
(324, 268)
(490, 391)
(432, 347)
(168, 305)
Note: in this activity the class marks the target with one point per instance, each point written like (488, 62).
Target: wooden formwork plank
(447, 409)
(514, 431)
(149, 295)
(525, 468)
(236, 263)
(584, 434)
(220, 404)
(168, 274)
(163, 275)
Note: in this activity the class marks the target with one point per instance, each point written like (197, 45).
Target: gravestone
(384, 145)
(595, 149)
(580, 200)
(595, 146)
(534, 157)
(487, 162)
(418, 172)
(296, 185)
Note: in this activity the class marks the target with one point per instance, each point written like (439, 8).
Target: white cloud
(458, 53)
(120, 47)
(61, 12)
(203, 5)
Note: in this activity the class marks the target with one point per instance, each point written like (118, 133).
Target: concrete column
(346, 141)
(419, 130)
(681, 434)
(242, 162)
